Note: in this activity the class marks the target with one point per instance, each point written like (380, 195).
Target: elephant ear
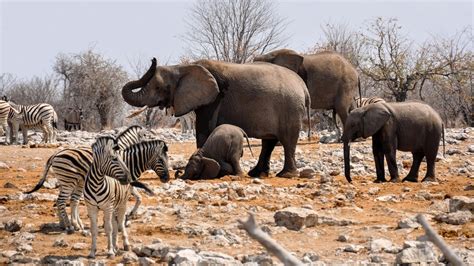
(290, 61)
(374, 118)
(196, 87)
(210, 169)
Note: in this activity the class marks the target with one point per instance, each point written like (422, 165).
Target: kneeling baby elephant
(407, 126)
(219, 156)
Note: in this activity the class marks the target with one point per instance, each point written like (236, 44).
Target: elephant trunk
(347, 161)
(138, 99)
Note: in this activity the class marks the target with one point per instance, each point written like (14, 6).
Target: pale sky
(32, 33)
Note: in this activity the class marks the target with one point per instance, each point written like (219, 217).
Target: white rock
(388, 198)
(186, 257)
(3, 165)
(456, 218)
(460, 203)
(13, 225)
(80, 246)
(353, 248)
(381, 244)
(408, 223)
(421, 252)
(295, 218)
(129, 257)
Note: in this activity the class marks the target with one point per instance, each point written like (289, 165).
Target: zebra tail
(139, 184)
(45, 175)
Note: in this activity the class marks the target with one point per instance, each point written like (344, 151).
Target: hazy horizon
(33, 33)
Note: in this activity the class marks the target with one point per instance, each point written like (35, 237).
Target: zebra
(71, 165)
(107, 188)
(130, 136)
(361, 102)
(5, 109)
(40, 115)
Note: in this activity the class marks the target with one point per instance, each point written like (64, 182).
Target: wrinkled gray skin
(332, 81)
(407, 126)
(73, 119)
(267, 101)
(219, 156)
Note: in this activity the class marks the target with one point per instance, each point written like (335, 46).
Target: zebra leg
(75, 219)
(114, 232)
(138, 201)
(93, 211)
(25, 135)
(63, 196)
(121, 223)
(45, 133)
(108, 216)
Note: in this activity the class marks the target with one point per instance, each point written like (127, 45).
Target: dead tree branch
(439, 242)
(266, 241)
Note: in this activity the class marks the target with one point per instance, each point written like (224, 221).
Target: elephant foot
(256, 172)
(380, 180)
(410, 179)
(429, 179)
(288, 174)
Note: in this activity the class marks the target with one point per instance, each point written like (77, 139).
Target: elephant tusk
(137, 112)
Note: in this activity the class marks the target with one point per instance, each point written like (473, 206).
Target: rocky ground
(318, 217)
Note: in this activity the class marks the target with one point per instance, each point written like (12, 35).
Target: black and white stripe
(129, 136)
(40, 115)
(4, 111)
(107, 188)
(70, 167)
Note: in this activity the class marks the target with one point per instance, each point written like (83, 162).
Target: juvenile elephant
(267, 101)
(219, 156)
(332, 80)
(407, 126)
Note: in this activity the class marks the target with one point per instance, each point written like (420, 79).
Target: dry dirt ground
(189, 214)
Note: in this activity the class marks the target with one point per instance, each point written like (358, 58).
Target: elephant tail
(308, 109)
(248, 142)
(360, 91)
(444, 143)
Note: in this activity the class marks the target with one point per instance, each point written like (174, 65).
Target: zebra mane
(150, 142)
(104, 141)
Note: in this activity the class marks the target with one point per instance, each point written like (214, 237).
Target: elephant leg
(235, 162)
(226, 169)
(289, 169)
(391, 156)
(415, 167)
(263, 166)
(338, 130)
(378, 159)
(430, 167)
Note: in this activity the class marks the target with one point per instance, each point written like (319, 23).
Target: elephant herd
(270, 98)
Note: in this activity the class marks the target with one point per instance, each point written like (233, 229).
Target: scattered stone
(50, 183)
(60, 243)
(310, 257)
(388, 198)
(469, 187)
(373, 190)
(9, 253)
(294, 218)
(156, 250)
(209, 258)
(129, 257)
(353, 248)
(453, 151)
(416, 252)
(260, 259)
(461, 203)
(186, 256)
(3, 165)
(408, 223)
(10, 185)
(307, 173)
(470, 148)
(13, 225)
(25, 247)
(343, 238)
(326, 179)
(456, 218)
(381, 244)
(80, 246)
(145, 261)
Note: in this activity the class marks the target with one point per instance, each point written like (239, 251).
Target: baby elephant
(407, 126)
(219, 156)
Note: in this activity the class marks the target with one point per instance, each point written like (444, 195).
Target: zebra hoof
(110, 255)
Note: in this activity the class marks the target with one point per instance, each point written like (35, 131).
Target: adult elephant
(267, 101)
(331, 80)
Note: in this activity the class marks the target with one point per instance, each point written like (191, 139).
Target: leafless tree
(35, 90)
(93, 83)
(6, 82)
(233, 30)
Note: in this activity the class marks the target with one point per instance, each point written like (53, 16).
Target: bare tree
(233, 30)
(93, 83)
(35, 90)
(7, 80)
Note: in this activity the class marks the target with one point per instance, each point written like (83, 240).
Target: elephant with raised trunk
(407, 126)
(268, 102)
(332, 81)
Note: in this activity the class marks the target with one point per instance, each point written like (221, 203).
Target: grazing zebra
(40, 115)
(106, 188)
(71, 165)
(361, 102)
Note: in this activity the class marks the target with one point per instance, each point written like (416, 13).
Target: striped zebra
(40, 115)
(107, 188)
(130, 136)
(71, 165)
(361, 102)
(5, 109)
